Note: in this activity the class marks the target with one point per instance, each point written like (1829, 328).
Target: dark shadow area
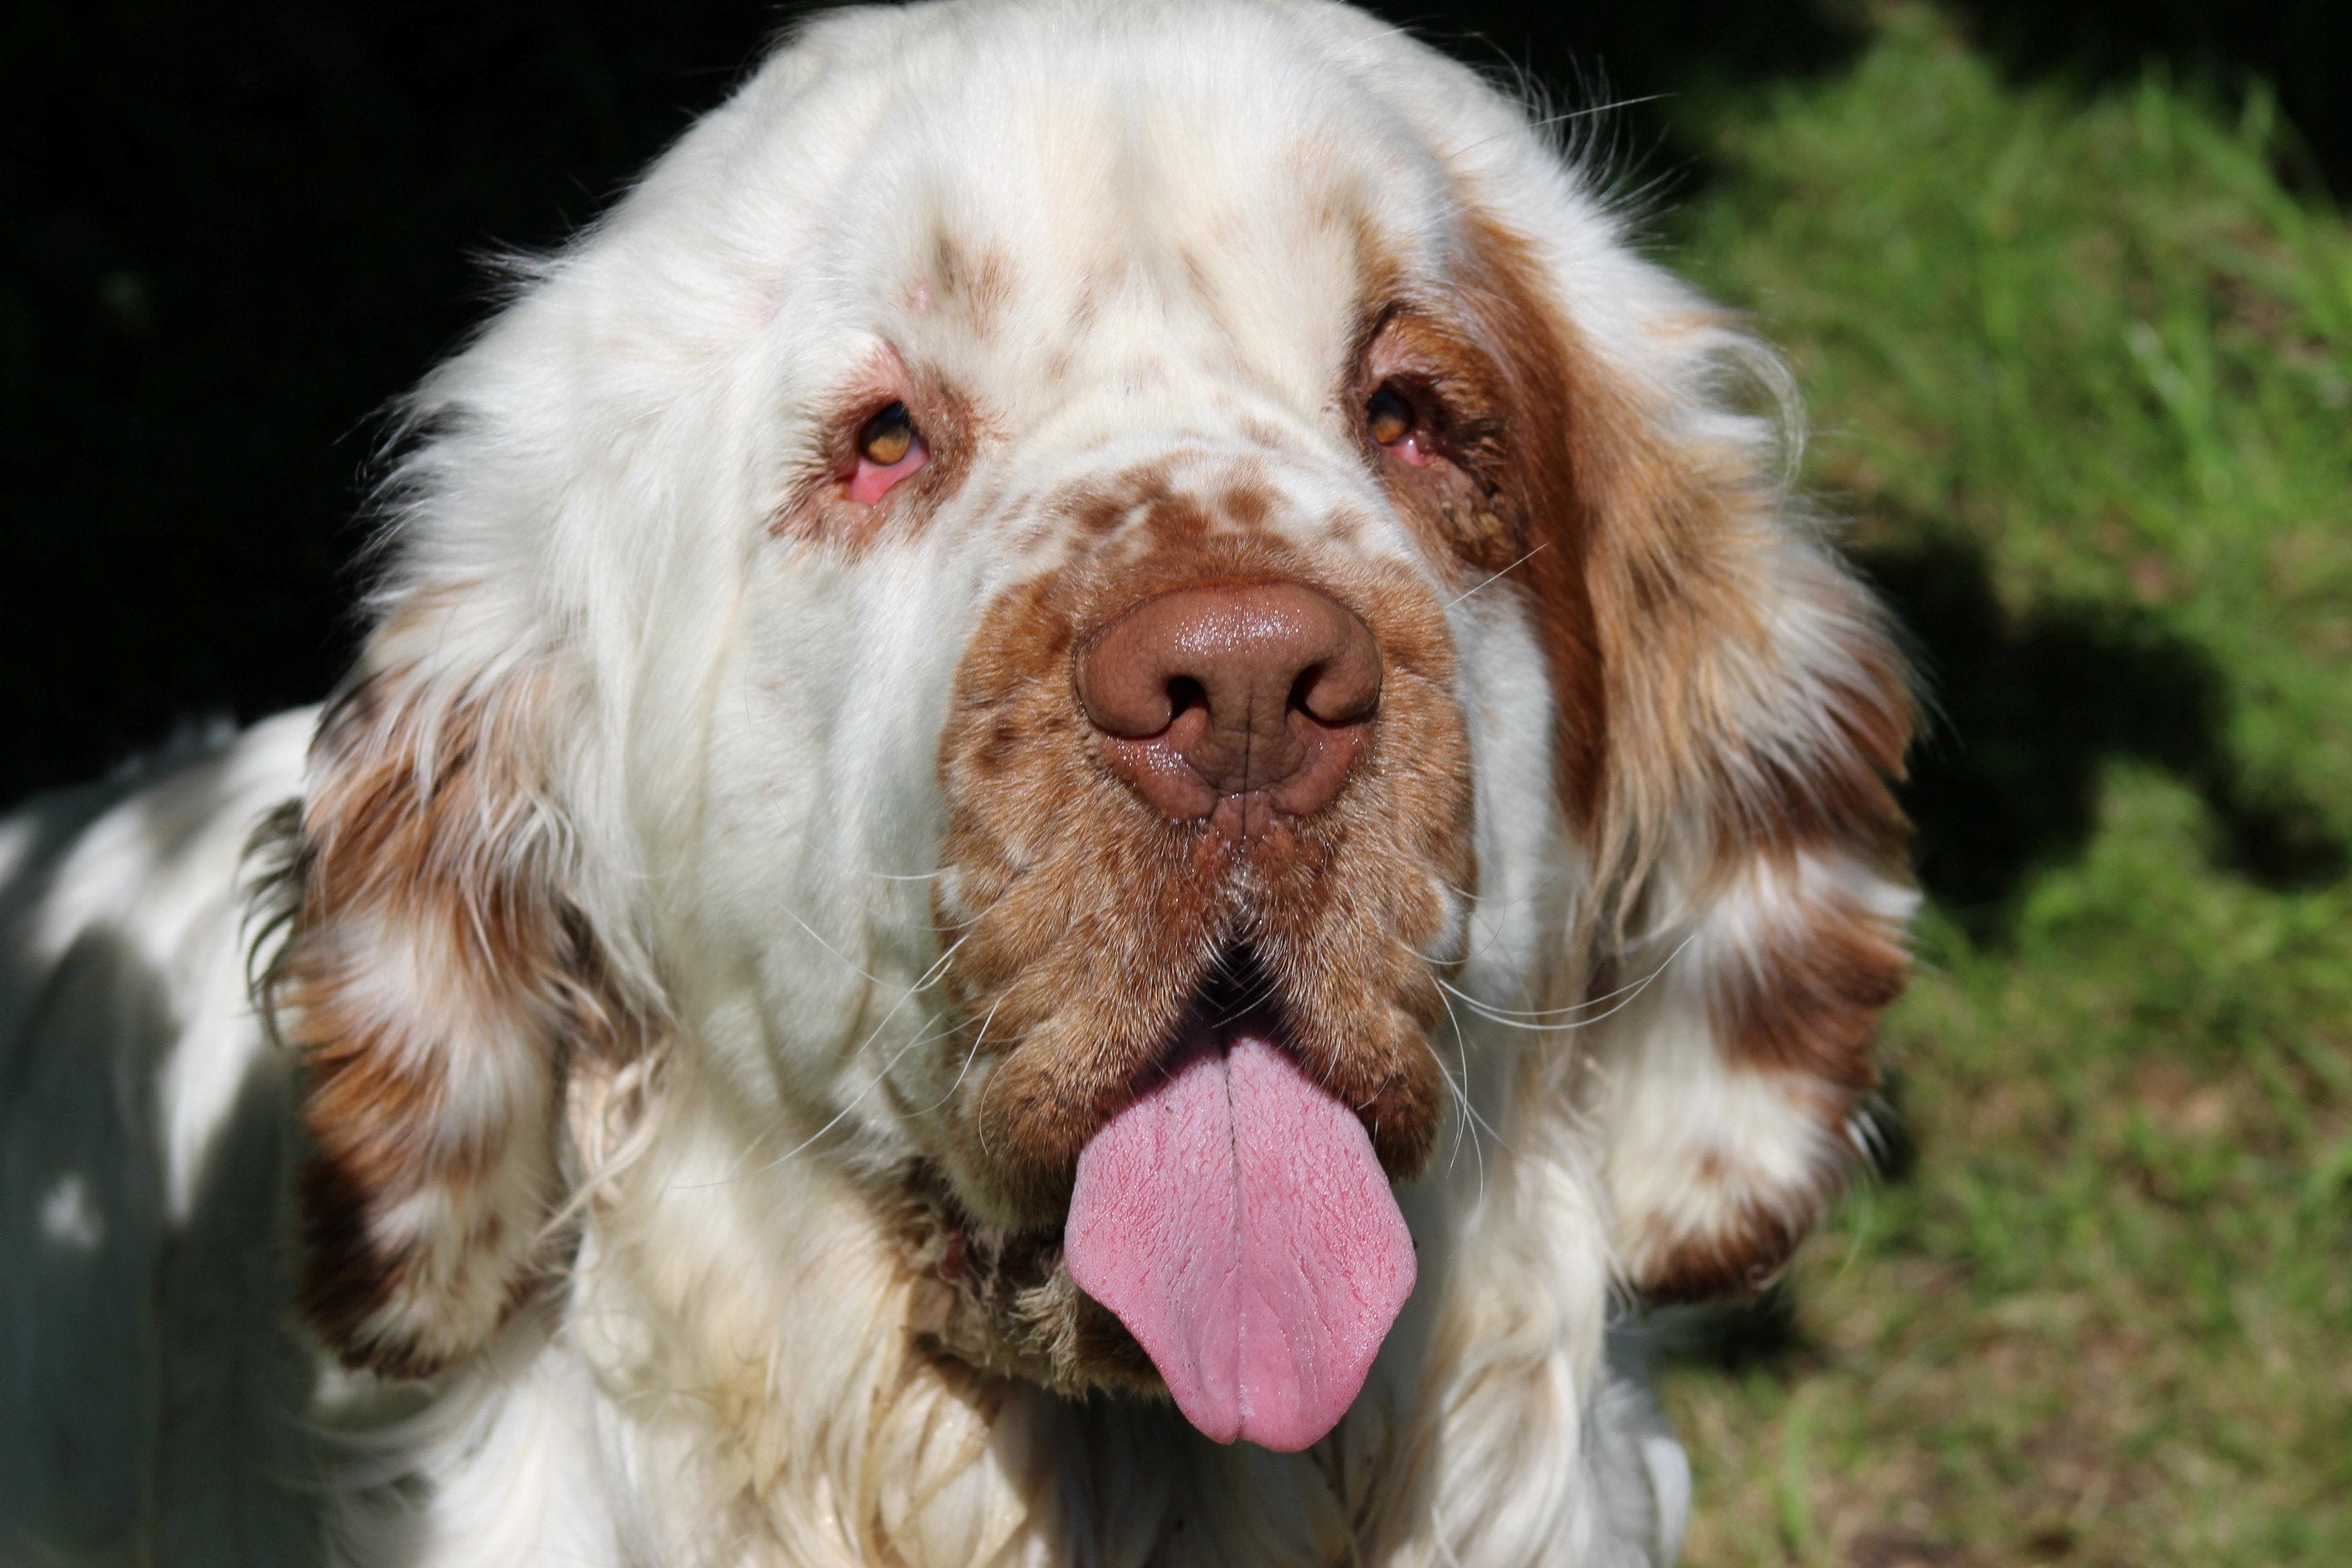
(1759, 1334)
(153, 1386)
(81, 1226)
(233, 233)
(2026, 711)
(2302, 47)
(1641, 58)
(1893, 1152)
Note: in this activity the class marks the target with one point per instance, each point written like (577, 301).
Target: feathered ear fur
(435, 979)
(1731, 714)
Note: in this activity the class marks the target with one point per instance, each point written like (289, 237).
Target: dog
(1101, 785)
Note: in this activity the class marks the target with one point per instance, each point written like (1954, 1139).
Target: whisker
(1243, 1006)
(1548, 121)
(817, 938)
(1563, 1015)
(969, 1057)
(1498, 577)
(1591, 110)
(1471, 1120)
(1547, 1022)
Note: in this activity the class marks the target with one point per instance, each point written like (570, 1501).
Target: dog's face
(1034, 601)
(1155, 510)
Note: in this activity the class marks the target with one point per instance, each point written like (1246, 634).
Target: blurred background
(2069, 289)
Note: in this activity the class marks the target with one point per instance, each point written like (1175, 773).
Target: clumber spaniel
(1098, 771)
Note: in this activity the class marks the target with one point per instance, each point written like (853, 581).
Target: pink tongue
(1236, 1218)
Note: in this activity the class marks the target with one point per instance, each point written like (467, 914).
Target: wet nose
(1206, 694)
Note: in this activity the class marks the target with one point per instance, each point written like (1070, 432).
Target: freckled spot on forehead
(1095, 285)
(1260, 432)
(1196, 271)
(978, 281)
(1381, 272)
(1160, 512)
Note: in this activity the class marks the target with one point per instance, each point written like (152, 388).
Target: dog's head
(1047, 610)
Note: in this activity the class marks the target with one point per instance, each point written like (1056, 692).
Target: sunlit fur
(608, 938)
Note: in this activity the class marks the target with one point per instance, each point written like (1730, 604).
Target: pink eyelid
(1411, 447)
(874, 480)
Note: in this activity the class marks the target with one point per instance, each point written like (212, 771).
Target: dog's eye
(888, 449)
(886, 437)
(1392, 421)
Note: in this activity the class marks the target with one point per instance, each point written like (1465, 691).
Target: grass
(2080, 370)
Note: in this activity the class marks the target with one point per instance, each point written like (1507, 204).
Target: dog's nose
(1205, 694)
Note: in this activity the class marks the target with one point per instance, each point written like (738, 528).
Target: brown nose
(1205, 694)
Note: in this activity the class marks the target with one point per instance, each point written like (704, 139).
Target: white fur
(737, 736)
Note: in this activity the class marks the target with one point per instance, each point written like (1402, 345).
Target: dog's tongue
(1236, 1220)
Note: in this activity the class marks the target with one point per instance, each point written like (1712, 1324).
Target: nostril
(1185, 692)
(1342, 689)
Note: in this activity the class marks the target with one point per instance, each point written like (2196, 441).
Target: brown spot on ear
(1808, 1000)
(1800, 1007)
(1556, 436)
(433, 980)
(1655, 561)
(1730, 706)
(346, 1275)
(1742, 1257)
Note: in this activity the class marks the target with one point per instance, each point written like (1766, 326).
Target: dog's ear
(435, 978)
(1731, 715)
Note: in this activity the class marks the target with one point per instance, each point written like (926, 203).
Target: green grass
(2080, 371)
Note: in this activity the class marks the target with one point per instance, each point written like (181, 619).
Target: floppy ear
(1730, 715)
(435, 979)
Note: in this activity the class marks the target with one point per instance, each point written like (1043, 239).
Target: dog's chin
(1003, 1301)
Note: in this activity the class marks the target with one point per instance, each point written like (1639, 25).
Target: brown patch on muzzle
(1085, 920)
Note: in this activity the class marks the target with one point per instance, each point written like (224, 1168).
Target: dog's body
(1082, 638)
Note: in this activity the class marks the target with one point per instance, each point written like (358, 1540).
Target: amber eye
(1388, 415)
(885, 438)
